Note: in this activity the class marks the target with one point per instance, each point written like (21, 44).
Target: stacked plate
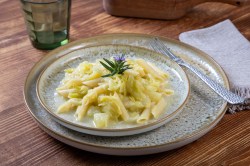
(188, 118)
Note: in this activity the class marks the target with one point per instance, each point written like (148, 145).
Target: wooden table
(22, 142)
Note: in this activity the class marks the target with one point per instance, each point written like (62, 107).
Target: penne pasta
(70, 84)
(92, 83)
(124, 112)
(168, 92)
(163, 74)
(149, 69)
(135, 96)
(68, 105)
(159, 108)
(144, 117)
(65, 92)
(87, 100)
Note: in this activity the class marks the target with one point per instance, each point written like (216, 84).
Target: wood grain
(22, 142)
(158, 9)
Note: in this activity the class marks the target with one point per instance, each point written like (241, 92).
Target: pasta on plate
(135, 96)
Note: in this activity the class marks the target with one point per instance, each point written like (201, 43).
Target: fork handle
(220, 90)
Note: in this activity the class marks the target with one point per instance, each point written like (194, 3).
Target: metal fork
(230, 97)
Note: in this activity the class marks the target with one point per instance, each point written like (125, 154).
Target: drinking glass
(47, 22)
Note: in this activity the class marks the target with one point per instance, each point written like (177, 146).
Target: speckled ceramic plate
(51, 77)
(201, 113)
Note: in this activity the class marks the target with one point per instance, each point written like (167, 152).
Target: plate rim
(106, 130)
(121, 151)
(71, 46)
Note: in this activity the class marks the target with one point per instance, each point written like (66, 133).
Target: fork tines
(158, 45)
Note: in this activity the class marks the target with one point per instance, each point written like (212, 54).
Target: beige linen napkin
(230, 49)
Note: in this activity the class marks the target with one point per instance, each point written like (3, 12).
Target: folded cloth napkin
(230, 49)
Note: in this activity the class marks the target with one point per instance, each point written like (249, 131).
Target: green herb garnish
(118, 66)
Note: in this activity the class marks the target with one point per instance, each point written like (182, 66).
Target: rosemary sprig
(118, 66)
